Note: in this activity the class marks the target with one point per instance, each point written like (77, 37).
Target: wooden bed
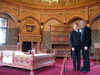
(26, 61)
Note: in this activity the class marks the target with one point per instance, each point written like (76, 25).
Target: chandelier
(51, 1)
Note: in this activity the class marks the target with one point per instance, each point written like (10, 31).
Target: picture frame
(29, 28)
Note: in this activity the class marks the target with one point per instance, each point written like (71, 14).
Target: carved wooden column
(87, 15)
(64, 16)
(87, 12)
(42, 24)
(17, 35)
(20, 46)
(98, 24)
(37, 48)
(41, 30)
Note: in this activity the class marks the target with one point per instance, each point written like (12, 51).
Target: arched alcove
(46, 32)
(11, 32)
(95, 26)
(75, 20)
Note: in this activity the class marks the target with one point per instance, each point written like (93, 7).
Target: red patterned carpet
(51, 70)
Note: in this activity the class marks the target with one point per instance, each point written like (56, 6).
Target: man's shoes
(81, 69)
(66, 70)
(74, 69)
(85, 71)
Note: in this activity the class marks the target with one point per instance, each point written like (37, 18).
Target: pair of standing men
(80, 39)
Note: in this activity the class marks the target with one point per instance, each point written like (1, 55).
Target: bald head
(83, 23)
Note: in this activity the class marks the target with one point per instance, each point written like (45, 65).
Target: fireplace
(26, 46)
(29, 42)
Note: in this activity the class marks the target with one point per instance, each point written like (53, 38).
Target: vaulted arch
(10, 12)
(29, 14)
(94, 14)
(54, 16)
(75, 15)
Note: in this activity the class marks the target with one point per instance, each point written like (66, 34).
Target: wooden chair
(97, 52)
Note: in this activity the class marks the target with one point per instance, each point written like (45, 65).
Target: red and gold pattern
(30, 62)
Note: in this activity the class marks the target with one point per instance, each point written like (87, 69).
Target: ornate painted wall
(95, 31)
(67, 12)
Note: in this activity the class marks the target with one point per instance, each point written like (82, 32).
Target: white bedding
(41, 54)
(19, 53)
(7, 59)
(7, 55)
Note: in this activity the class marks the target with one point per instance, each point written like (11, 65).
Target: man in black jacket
(85, 45)
(74, 40)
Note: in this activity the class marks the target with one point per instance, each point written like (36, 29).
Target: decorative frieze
(54, 5)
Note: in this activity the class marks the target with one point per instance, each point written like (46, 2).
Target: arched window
(3, 29)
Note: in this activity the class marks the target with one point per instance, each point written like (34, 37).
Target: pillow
(7, 56)
(7, 53)
(7, 59)
(19, 53)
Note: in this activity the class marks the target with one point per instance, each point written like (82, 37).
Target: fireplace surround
(29, 38)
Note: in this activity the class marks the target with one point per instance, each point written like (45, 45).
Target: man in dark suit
(85, 45)
(74, 40)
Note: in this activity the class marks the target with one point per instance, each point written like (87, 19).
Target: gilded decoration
(49, 12)
(82, 11)
(93, 9)
(94, 14)
(23, 11)
(13, 8)
(9, 11)
(75, 15)
(29, 14)
(54, 5)
(53, 16)
(2, 5)
(54, 13)
(68, 13)
(29, 26)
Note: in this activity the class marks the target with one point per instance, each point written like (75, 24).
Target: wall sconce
(18, 21)
(18, 24)
(41, 23)
(64, 23)
(88, 23)
(41, 26)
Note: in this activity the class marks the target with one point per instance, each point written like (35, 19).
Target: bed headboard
(8, 47)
